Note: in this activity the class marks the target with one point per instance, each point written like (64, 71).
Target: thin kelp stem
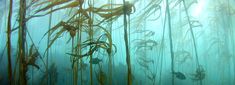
(129, 82)
(79, 51)
(75, 68)
(110, 54)
(48, 42)
(171, 44)
(192, 34)
(21, 43)
(161, 48)
(9, 43)
(90, 21)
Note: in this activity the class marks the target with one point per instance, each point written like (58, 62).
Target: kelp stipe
(194, 42)
(171, 43)
(9, 43)
(21, 43)
(125, 11)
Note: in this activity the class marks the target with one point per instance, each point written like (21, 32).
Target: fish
(179, 75)
(95, 61)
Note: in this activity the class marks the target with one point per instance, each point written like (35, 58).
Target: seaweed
(125, 11)
(21, 43)
(101, 76)
(9, 43)
(171, 43)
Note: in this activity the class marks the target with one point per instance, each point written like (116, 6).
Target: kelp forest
(117, 42)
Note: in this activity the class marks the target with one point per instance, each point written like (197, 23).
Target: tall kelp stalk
(79, 50)
(75, 68)
(21, 43)
(161, 54)
(48, 42)
(74, 60)
(129, 81)
(9, 43)
(192, 34)
(110, 53)
(90, 25)
(171, 44)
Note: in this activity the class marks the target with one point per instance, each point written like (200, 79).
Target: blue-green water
(69, 42)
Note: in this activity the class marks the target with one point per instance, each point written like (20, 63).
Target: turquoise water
(162, 42)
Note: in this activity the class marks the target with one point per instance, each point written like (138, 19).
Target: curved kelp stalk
(161, 53)
(200, 71)
(47, 53)
(171, 44)
(151, 8)
(128, 61)
(90, 32)
(95, 45)
(9, 43)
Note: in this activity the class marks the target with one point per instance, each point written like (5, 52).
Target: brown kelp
(9, 42)
(95, 45)
(192, 34)
(32, 57)
(48, 42)
(101, 76)
(152, 7)
(171, 44)
(125, 11)
(21, 43)
(148, 44)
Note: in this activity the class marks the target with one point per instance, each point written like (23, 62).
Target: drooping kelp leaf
(146, 60)
(188, 3)
(145, 44)
(90, 52)
(70, 5)
(146, 33)
(33, 55)
(142, 64)
(65, 27)
(182, 56)
(52, 3)
(96, 44)
(108, 35)
(149, 10)
(151, 76)
(114, 13)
